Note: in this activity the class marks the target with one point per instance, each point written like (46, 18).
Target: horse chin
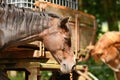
(67, 67)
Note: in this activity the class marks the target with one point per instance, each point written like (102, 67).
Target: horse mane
(15, 18)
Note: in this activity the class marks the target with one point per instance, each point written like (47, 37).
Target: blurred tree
(104, 10)
(110, 10)
(80, 5)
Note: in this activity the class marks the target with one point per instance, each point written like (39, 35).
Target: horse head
(57, 39)
(107, 49)
(24, 25)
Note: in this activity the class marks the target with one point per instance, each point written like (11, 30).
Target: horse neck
(19, 23)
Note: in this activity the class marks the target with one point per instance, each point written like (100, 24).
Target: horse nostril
(64, 65)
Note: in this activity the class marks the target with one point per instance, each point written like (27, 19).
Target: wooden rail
(64, 11)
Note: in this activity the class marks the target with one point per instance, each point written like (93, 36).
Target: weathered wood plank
(17, 54)
(64, 11)
(16, 60)
(34, 65)
(23, 53)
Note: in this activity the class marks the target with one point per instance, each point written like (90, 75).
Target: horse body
(107, 49)
(19, 25)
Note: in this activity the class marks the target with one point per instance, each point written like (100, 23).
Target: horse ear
(63, 23)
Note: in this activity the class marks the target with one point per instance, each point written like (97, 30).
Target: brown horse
(107, 49)
(19, 25)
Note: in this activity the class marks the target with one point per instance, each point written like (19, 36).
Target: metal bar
(76, 5)
(53, 1)
(22, 3)
(31, 4)
(59, 2)
(19, 4)
(27, 4)
(62, 2)
(11, 1)
(70, 2)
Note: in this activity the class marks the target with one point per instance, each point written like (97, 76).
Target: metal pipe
(27, 4)
(68, 5)
(53, 1)
(59, 2)
(76, 5)
(63, 3)
(70, 2)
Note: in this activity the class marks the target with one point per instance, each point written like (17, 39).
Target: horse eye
(68, 41)
(66, 38)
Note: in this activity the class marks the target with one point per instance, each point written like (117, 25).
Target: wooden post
(34, 71)
(77, 35)
(38, 74)
(92, 42)
(27, 73)
(54, 75)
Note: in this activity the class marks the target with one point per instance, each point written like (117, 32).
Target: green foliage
(45, 75)
(100, 70)
(103, 12)
(19, 76)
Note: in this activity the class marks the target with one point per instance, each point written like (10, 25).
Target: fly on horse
(20, 25)
(107, 49)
